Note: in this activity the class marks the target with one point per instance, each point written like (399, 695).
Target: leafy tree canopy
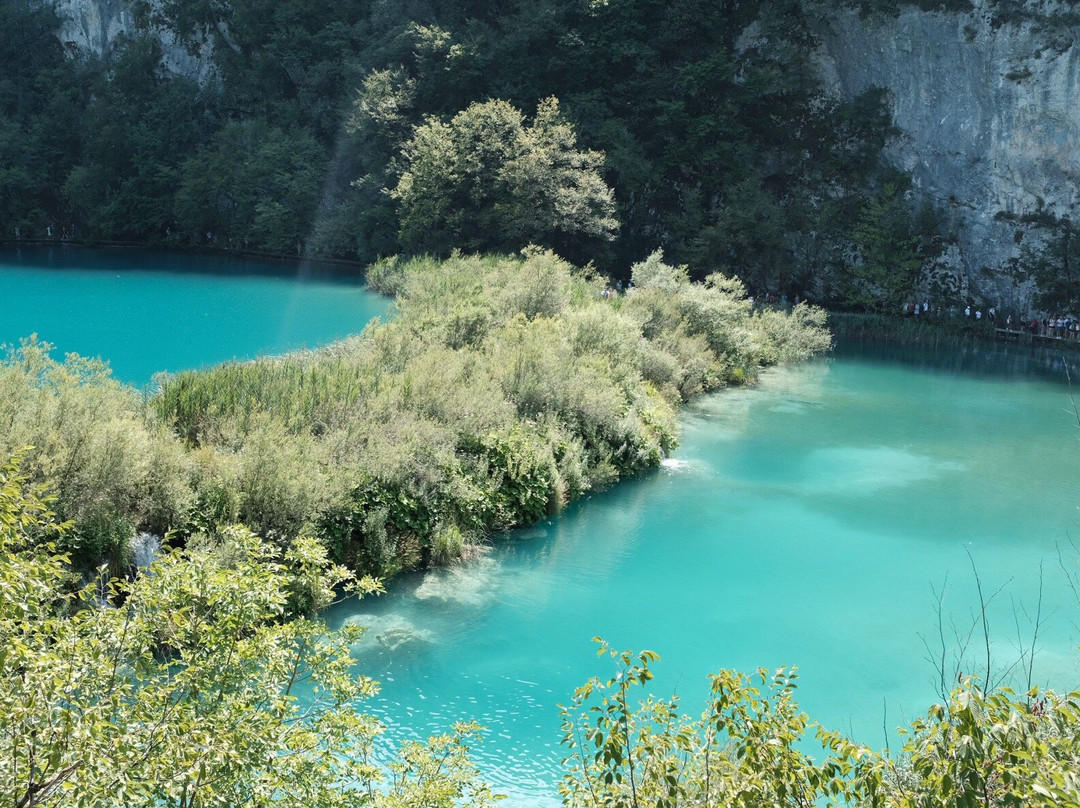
(487, 180)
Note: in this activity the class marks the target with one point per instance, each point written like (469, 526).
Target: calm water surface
(148, 311)
(805, 522)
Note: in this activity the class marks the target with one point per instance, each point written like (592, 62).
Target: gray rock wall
(989, 120)
(93, 26)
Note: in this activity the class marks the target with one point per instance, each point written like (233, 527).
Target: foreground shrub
(752, 746)
(205, 682)
(111, 469)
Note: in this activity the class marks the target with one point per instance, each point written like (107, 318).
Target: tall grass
(505, 388)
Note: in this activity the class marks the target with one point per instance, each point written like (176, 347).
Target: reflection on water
(808, 521)
(980, 359)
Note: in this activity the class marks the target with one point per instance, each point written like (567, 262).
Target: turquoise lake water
(807, 521)
(149, 311)
(804, 522)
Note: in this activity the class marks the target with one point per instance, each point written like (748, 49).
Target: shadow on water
(137, 259)
(976, 360)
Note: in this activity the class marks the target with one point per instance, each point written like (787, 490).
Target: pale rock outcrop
(988, 113)
(94, 26)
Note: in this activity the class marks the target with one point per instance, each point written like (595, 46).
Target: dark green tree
(255, 185)
(893, 249)
(139, 126)
(40, 101)
(746, 235)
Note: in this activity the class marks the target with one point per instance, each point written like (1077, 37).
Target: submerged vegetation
(505, 388)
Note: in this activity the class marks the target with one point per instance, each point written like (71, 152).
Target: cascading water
(145, 548)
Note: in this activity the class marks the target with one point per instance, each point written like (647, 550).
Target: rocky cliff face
(93, 26)
(988, 113)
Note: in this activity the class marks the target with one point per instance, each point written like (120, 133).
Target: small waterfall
(145, 548)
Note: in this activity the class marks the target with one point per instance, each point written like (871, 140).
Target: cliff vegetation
(603, 131)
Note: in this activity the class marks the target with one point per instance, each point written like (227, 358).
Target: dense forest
(601, 130)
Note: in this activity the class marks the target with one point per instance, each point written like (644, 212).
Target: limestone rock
(988, 112)
(94, 26)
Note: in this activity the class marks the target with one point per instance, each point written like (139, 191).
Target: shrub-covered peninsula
(504, 388)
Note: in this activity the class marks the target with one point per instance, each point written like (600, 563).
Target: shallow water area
(146, 311)
(808, 521)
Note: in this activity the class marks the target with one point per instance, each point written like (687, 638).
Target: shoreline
(284, 258)
(933, 332)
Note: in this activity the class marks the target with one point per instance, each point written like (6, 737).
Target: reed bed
(505, 388)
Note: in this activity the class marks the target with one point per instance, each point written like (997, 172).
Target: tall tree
(1055, 267)
(254, 185)
(892, 252)
(487, 180)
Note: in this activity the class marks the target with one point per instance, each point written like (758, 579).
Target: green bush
(505, 388)
(112, 470)
(753, 746)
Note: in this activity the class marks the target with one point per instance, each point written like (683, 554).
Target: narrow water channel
(808, 522)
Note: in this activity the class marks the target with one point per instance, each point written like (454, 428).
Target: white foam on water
(674, 464)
